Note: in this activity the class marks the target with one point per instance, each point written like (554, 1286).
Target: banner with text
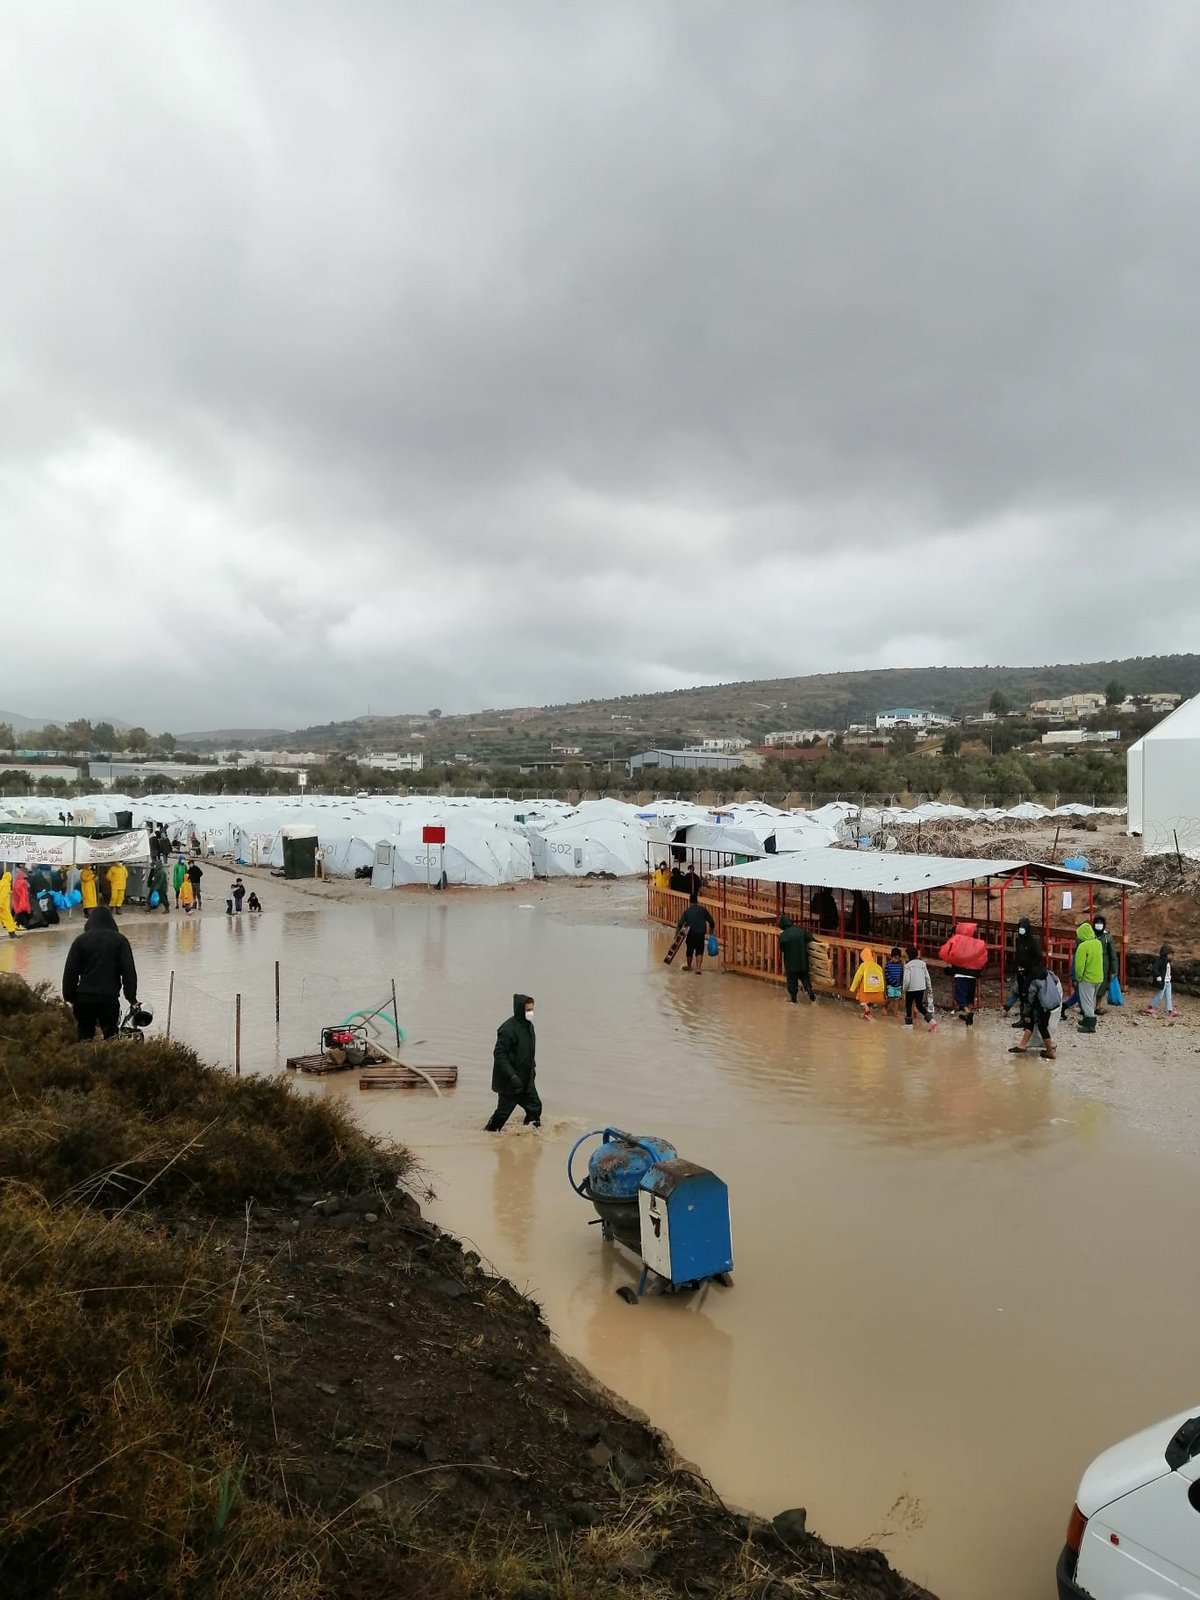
(65, 850)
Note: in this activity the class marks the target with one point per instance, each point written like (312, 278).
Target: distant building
(1068, 706)
(720, 746)
(905, 717)
(395, 763)
(566, 749)
(1081, 736)
(691, 760)
(799, 736)
(1151, 702)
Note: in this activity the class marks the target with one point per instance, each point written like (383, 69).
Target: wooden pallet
(318, 1062)
(401, 1077)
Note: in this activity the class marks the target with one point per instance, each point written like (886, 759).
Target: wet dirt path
(955, 1276)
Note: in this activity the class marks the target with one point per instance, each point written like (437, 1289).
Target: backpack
(1048, 992)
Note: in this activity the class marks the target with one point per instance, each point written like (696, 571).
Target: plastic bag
(713, 947)
(1115, 997)
(153, 901)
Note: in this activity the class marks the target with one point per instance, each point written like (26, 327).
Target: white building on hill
(905, 717)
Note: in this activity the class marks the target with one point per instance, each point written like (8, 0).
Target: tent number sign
(434, 834)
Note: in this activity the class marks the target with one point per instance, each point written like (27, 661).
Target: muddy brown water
(957, 1275)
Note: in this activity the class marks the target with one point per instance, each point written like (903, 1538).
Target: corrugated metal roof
(888, 872)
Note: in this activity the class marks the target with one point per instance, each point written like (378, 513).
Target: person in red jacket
(965, 953)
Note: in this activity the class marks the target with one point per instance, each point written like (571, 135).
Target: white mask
(529, 1014)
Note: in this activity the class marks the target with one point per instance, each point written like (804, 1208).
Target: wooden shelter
(901, 899)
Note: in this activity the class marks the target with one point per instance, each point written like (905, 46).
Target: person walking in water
(965, 953)
(239, 894)
(918, 989)
(1043, 997)
(99, 965)
(195, 873)
(698, 922)
(793, 948)
(178, 874)
(868, 982)
(514, 1067)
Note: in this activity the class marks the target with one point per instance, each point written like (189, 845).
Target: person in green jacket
(1089, 974)
(157, 881)
(177, 876)
(1111, 964)
(793, 948)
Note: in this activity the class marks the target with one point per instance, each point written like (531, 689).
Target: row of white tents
(489, 842)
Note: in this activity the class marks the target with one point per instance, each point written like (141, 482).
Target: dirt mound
(235, 1361)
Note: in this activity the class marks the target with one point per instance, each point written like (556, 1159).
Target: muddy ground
(407, 1381)
(235, 1360)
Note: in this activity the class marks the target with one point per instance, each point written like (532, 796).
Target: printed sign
(65, 850)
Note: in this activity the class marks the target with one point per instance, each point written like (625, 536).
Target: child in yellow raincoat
(87, 888)
(187, 896)
(6, 916)
(868, 981)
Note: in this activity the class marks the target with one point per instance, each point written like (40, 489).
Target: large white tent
(583, 846)
(1167, 800)
(475, 855)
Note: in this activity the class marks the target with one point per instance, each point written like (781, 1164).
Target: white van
(1135, 1531)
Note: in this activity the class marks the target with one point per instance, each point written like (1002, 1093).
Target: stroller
(134, 1023)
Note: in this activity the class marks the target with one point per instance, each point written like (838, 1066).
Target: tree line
(83, 738)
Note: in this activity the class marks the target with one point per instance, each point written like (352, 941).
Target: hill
(614, 727)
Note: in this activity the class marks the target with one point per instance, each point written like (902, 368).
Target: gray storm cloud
(461, 354)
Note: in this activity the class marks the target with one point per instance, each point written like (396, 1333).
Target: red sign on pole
(433, 835)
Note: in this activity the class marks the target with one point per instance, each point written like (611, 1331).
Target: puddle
(949, 1265)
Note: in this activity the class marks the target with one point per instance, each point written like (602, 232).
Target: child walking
(893, 980)
(868, 983)
(1162, 983)
(918, 990)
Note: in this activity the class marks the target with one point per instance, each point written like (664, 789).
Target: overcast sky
(394, 355)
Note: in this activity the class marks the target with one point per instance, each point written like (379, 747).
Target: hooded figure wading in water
(514, 1067)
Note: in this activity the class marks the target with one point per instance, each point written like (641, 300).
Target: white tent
(474, 855)
(1170, 787)
(582, 846)
(1133, 787)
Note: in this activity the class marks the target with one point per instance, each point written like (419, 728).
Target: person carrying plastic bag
(965, 953)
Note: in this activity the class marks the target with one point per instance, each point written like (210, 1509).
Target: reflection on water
(949, 1268)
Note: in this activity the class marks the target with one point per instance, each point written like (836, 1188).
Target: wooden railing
(746, 918)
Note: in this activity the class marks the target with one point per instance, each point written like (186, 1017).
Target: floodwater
(955, 1277)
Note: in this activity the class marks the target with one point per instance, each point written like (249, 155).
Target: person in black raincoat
(99, 965)
(514, 1067)
(1027, 959)
(793, 947)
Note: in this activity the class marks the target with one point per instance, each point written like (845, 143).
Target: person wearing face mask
(1111, 966)
(514, 1067)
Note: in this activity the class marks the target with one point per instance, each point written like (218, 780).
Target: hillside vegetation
(613, 728)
